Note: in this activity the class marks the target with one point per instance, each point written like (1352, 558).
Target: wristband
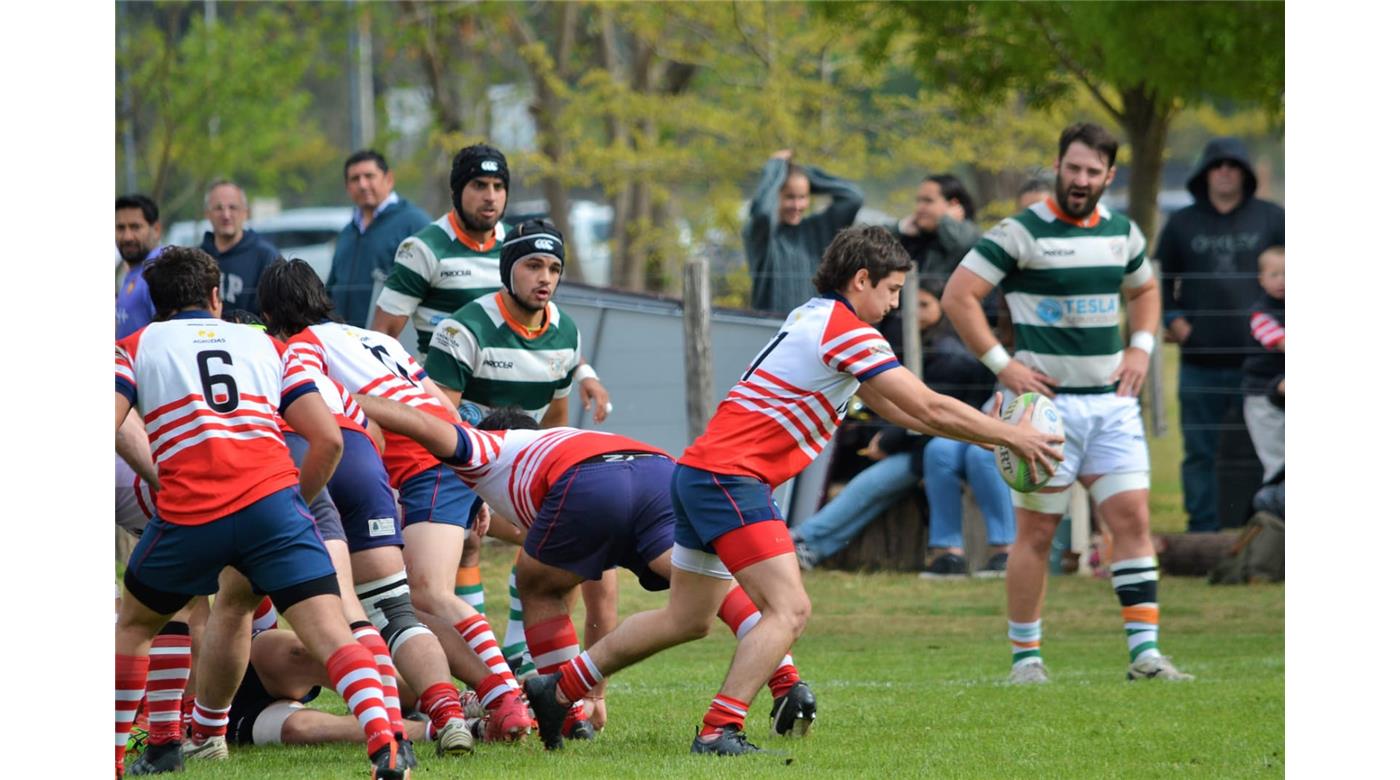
(995, 359)
(584, 371)
(1143, 340)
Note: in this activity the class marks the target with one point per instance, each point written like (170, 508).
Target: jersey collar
(838, 297)
(193, 314)
(520, 330)
(1087, 222)
(467, 240)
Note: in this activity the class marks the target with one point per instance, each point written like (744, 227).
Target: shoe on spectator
(995, 567)
(1157, 667)
(805, 557)
(949, 566)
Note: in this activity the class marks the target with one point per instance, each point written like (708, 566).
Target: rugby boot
(795, 712)
(509, 720)
(730, 742)
(578, 726)
(407, 758)
(211, 748)
(454, 738)
(549, 713)
(158, 759)
(386, 764)
(1157, 667)
(1032, 673)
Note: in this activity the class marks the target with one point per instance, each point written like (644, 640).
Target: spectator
(241, 253)
(1209, 253)
(941, 229)
(1263, 371)
(901, 458)
(1033, 191)
(138, 242)
(365, 248)
(782, 245)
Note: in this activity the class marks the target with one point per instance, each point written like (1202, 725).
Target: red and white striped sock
(724, 711)
(165, 682)
(479, 637)
(440, 701)
(355, 676)
(186, 710)
(131, 686)
(265, 616)
(367, 636)
(740, 613)
(580, 676)
(552, 643)
(496, 688)
(206, 722)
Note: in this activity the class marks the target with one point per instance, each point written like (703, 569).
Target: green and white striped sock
(1025, 643)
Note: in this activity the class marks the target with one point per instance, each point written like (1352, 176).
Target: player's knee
(1036, 535)
(388, 604)
(792, 614)
(692, 626)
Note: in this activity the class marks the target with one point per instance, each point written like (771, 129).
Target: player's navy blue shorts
(730, 516)
(273, 542)
(360, 489)
(610, 510)
(437, 495)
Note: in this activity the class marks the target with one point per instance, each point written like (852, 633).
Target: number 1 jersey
(788, 403)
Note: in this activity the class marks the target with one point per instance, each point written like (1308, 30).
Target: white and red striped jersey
(210, 392)
(788, 403)
(513, 470)
(348, 414)
(372, 363)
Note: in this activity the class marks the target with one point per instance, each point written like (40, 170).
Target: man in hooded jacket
(1209, 253)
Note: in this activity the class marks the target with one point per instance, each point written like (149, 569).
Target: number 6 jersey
(210, 392)
(787, 405)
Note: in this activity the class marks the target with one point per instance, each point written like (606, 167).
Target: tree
(1142, 62)
(204, 108)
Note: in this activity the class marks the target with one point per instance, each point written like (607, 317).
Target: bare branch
(1059, 48)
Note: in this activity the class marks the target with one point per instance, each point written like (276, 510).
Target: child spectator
(1263, 371)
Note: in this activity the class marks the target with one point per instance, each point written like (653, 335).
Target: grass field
(908, 676)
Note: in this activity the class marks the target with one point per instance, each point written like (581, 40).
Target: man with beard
(513, 348)
(138, 241)
(1063, 263)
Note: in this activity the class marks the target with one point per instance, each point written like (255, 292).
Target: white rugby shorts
(1104, 434)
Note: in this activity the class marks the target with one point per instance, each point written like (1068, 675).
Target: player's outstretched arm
(899, 397)
(309, 416)
(437, 436)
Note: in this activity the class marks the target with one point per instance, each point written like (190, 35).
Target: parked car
(307, 233)
(590, 229)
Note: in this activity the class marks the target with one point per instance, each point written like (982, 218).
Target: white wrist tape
(995, 359)
(1143, 340)
(584, 371)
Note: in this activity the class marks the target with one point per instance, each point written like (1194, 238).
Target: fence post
(699, 367)
(1156, 399)
(913, 357)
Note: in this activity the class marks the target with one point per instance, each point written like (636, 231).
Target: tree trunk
(1146, 123)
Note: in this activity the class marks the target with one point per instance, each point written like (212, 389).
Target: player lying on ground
(770, 426)
(587, 501)
(208, 391)
(436, 506)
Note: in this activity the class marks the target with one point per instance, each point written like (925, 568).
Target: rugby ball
(1045, 418)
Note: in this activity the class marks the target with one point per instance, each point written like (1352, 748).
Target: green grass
(908, 676)
(1165, 503)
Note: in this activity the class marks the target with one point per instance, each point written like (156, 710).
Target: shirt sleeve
(476, 451)
(846, 200)
(566, 385)
(126, 375)
(1138, 271)
(859, 351)
(1266, 329)
(297, 380)
(998, 253)
(409, 280)
(453, 355)
(1170, 256)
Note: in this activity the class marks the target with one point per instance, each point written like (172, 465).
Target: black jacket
(1210, 263)
(1263, 370)
(241, 267)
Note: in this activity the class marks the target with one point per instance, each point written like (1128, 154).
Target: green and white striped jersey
(1063, 283)
(436, 273)
(478, 352)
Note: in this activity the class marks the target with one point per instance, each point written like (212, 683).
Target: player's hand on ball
(1131, 372)
(1021, 378)
(1040, 450)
